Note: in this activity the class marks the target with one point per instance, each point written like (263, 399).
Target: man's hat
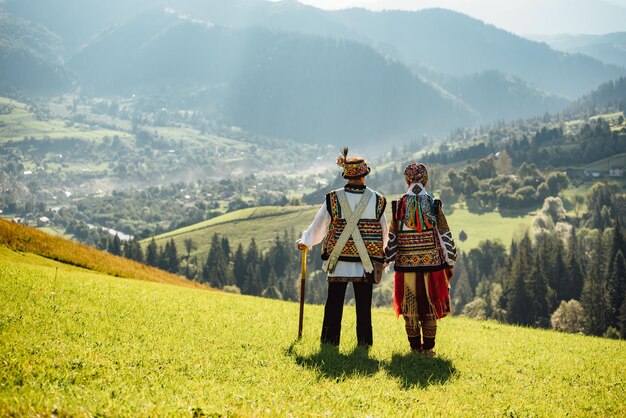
(416, 173)
(353, 167)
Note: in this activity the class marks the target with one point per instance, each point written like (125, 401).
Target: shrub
(569, 317)
(476, 309)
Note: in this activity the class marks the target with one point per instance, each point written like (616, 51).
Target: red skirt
(425, 294)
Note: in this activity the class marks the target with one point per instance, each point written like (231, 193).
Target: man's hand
(301, 246)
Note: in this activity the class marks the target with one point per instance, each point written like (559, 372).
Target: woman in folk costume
(352, 228)
(423, 251)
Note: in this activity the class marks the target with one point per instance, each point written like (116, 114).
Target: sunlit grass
(25, 239)
(74, 342)
(485, 226)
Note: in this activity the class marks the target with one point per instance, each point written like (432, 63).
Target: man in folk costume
(352, 228)
(424, 253)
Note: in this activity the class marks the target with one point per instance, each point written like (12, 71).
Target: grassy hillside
(24, 239)
(88, 344)
(261, 223)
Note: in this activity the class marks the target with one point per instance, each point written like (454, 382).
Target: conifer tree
(573, 285)
(557, 274)
(272, 289)
(616, 287)
(594, 302)
(115, 246)
(461, 293)
(594, 297)
(538, 293)
(216, 270)
(170, 257)
(162, 259)
(152, 253)
(265, 264)
(517, 301)
(226, 248)
(135, 251)
(252, 254)
(279, 257)
(252, 285)
(126, 250)
(239, 267)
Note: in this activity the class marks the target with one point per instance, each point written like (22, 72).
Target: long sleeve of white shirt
(316, 232)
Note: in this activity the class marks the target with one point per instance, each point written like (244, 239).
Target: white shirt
(316, 232)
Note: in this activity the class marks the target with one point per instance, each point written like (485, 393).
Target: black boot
(413, 333)
(364, 336)
(330, 336)
(415, 343)
(429, 329)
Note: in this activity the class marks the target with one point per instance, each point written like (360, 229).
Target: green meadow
(261, 223)
(484, 226)
(21, 123)
(78, 343)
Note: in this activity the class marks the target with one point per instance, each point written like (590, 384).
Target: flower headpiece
(416, 173)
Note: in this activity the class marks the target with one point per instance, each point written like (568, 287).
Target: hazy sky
(546, 17)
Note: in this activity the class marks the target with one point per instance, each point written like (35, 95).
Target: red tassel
(398, 292)
(439, 292)
(418, 217)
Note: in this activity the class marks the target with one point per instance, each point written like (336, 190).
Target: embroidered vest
(370, 229)
(418, 245)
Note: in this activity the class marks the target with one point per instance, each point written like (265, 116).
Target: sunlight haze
(546, 17)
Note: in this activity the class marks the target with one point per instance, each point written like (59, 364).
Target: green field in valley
(20, 123)
(481, 227)
(74, 342)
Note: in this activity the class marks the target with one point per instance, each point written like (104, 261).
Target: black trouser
(333, 311)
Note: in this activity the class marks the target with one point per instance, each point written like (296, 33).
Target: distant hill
(609, 48)
(286, 70)
(278, 84)
(443, 40)
(325, 91)
(610, 95)
(75, 21)
(456, 44)
(30, 58)
(497, 96)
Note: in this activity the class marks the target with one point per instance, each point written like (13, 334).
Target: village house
(43, 221)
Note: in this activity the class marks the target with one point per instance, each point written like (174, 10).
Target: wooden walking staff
(302, 287)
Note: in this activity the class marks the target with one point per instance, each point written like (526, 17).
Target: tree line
(568, 278)
(273, 273)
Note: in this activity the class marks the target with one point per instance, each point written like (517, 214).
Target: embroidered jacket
(419, 237)
(370, 228)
